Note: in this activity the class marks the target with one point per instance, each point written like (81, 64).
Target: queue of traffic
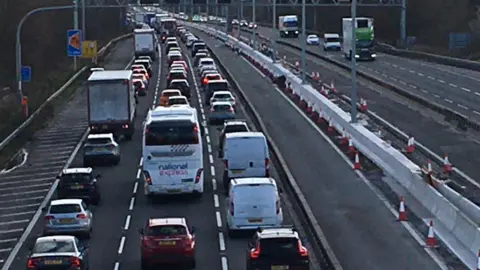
(173, 163)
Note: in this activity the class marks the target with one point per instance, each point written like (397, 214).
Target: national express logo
(173, 169)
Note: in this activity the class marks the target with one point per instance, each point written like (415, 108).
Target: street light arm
(18, 45)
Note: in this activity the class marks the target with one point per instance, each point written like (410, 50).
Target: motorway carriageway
(419, 122)
(115, 242)
(361, 230)
(23, 189)
(452, 87)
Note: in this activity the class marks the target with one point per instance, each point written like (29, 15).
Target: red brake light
(199, 174)
(48, 218)
(32, 263)
(303, 251)
(195, 134)
(168, 78)
(205, 81)
(148, 179)
(255, 252)
(75, 262)
(82, 216)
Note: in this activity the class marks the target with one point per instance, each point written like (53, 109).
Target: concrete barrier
(459, 231)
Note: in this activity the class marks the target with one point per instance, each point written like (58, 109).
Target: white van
(331, 42)
(245, 154)
(253, 203)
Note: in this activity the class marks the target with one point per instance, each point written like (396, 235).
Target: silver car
(68, 216)
(58, 252)
(221, 111)
(101, 148)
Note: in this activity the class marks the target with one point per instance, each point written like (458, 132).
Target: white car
(223, 96)
(331, 42)
(313, 40)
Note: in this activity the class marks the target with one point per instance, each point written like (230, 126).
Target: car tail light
(74, 262)
(125, 126)
(212, 109)
(302, 250)
(48, 218)
(255, 252)
(205, 81)
(267, 167)
(110, 147)
(169, 77)
(195, 134)
(32, 263)
(148, 179)
(198, 175)
(189, 243)
(231, 109)
(82, 216)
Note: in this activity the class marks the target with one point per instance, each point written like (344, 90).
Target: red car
(167, 240)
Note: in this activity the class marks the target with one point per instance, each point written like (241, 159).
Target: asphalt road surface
(360, 229)
(449, 86)
(414, 120)
(115, 242)
(23, 189)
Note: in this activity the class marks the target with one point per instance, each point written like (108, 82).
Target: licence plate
(255, 220)
(166, 243)
(100, 149)
(53, 262)
(105, 127)
(76, 187)
(175, 190)
(280, 267)
(237, 171)
(67, 220)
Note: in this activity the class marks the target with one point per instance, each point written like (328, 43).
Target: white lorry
(145, 43)
(288, 26)
(365, 44)
(140, 18)
(111, 103)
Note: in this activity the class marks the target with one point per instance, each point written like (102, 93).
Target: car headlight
(357, 56)
(374, 55)
(296, 32)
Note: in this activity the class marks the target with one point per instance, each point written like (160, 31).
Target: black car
(79, 183)
(197, 45)
(277, 248)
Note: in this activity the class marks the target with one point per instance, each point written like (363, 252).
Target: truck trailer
(111, 103)
(365, 44)
(288, 26)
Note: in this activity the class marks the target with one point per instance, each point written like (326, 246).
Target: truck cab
(111, 103)
(288, 26)
(145, 43)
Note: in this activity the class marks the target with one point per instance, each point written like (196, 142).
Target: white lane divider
(131, 206)
(218, 216)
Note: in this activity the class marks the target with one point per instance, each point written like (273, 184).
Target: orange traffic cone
(410, 145)
(428, 168)
(363, 105)
(447, 166)
(431, 240)
(330, 126)
(317, 76)
(297, 65)
(344, 138)
(356, 164)
(351, 148)
(332, 86)
(402, 215)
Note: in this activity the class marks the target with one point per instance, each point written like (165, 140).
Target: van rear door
(246, 156)
(254, 204)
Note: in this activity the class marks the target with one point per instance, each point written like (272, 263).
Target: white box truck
(111, 103)
(145, 43)
(365, 44)
(288, 26)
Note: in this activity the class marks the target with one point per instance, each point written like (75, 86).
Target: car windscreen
(332, 39)
(222, 96)
(99, 141)
(278, 246)
(222, 107)
(171, 133)
(177, 101)
(76, 178)
(54, 246)
(217, 86)
(235, 128)
(166, 230)
(65, 209)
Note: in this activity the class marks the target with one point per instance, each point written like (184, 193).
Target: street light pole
(18, 43)
(304, 45)
(353, 95)
(254, 11)
(274, 29)
(84, 23)
(75, 26)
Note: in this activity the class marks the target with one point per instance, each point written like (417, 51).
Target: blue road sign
(74, 42)
(26, 73)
